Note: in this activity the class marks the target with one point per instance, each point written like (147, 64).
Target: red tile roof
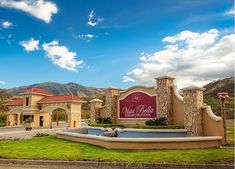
(60, 98)
(38, 91)
(15, 102)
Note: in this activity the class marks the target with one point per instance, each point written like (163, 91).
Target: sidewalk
(52, 164)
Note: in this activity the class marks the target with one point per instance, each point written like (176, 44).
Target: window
(27, 101)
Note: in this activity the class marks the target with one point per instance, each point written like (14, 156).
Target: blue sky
(106, 43)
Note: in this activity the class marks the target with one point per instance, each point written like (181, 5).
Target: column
(164, 90)
(75, 115)
(95, 104)
(193, 102)
(111, 103)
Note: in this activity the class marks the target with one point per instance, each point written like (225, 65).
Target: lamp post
(223, 96)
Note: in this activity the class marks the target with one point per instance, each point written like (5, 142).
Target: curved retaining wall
(142, 143)
(212, 124)
(178, 107)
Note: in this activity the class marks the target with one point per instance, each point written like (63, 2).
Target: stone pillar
(164, 92)
(193, 102)
(75, 115)
(18, 119)
(111, 103)
(95, 104)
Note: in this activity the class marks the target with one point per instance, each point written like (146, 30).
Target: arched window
(59, 115)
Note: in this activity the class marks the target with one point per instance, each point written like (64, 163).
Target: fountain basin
(140, 138)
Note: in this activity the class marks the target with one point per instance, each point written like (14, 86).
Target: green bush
(29, 120)
(156, 122)
(106, 125)
(104, 120)
(3, 119)
(41, 134)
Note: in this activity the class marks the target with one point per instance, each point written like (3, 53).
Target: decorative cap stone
(96, 101)
(165, 77)
(193, 88)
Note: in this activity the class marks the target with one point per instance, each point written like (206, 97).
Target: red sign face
(138, 105)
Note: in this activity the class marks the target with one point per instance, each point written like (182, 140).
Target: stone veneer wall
(111, 103)
(96, 104)
(164, 91)
(193, 103)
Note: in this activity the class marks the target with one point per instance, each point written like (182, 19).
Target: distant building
(45, 109)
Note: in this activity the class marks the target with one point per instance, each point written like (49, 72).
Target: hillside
(212, 88)
(224, 85)
(211, 98)
(61, 89)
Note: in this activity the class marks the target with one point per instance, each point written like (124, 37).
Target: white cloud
(127, 79)
(92, 21)
(41, 9)
(230, 12)
(30, 45)
(193, 58)
(91, 15)
(2, 82)
(86, 37)
(6, 24)
(61, 56)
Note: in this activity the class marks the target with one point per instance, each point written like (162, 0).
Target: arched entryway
(59, 118)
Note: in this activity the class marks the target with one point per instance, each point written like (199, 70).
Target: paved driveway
(51, 164)
(17, 166)
(20, 133)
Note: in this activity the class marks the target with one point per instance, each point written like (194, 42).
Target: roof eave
(42, 94)
(63, 101)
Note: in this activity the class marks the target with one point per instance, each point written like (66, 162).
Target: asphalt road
(54, 164)
(17, 166)
(20, 133)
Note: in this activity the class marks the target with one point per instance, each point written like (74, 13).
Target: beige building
(45, 109)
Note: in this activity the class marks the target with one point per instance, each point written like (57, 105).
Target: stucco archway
(59, 118)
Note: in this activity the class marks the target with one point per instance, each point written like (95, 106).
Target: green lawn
(230, 132)
(51, 148)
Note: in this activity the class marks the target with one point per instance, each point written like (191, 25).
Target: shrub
(41, 134)
(3, 119)
(104, 120)
(150, 122)
(156, 122)
(29, 120)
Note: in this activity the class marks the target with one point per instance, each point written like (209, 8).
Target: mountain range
(212, 88)
(61, 89)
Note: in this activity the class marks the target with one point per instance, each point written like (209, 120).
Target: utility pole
(223, 96)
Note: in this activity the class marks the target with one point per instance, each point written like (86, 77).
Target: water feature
(133, 133)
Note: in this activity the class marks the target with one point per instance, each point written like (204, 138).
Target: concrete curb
(110, 165)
